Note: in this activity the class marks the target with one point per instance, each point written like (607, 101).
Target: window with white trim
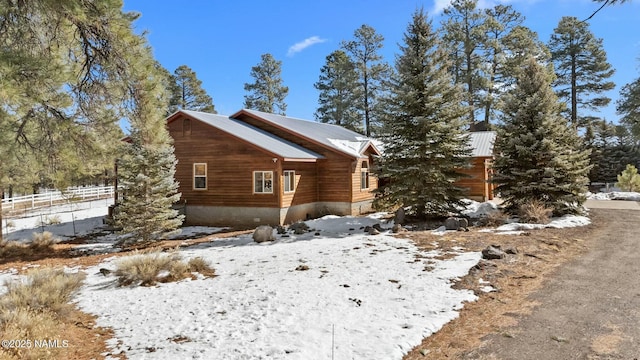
(289, 180)
(200, 176)
(263, 182)
(364, 175)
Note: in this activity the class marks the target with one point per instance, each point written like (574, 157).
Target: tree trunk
(1, 234)
(574, 94)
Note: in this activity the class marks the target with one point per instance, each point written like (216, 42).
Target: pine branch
(606, 2)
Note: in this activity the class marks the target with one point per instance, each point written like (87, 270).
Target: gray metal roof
(482, 143)
(253, 135)
(333, 136)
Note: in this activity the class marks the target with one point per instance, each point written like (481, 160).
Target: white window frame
(264, 189)
(196, 176)
(289, 181)
(364, 175)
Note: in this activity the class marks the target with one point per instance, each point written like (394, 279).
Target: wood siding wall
(477, 183)
(306, 185)
(359, 194)
(230, 165)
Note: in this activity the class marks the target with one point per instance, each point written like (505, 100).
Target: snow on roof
(334, 136)
(482, 143)
(253, 135)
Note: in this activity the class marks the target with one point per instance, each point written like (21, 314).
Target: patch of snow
(350, 147)
(440, 231)
(563, 222)
(615, 195)
(367, 288)
(488, 289)
(476, 210)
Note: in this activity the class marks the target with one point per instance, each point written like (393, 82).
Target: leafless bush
(534, 212)
(40, 243)
(151, 268)
(201, 266)
(495, 218)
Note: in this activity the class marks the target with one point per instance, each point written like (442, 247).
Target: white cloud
(299, 46)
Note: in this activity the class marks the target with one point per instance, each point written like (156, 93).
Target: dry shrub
(40, 243)
(44, 289)
(534, 212)
(201, 266)
(150, 268)
(30, 310)
(495, 218)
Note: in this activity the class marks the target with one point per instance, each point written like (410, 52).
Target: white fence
(56, 197)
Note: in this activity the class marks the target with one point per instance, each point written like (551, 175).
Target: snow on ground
(475, 210)
(563, 222)
(370, 294)
(614, 195)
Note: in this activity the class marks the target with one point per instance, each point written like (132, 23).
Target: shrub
(53, 220)
(40, 243)
(535, 212)
(151, 268)
(201, 266)
(495, 218)
(24, 323)
(44, 289)
(629, 180)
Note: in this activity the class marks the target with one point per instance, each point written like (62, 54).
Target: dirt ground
(567, 294)
(564, 294)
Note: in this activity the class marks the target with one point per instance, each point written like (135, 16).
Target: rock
(373, 231)
(400, 216)
(302, 268)
(281, 230)
(378, 227)
(104, 271)
(493, 253)
(397, 228)
(367, 228)
(511, 250)
(263, 233)
(299, 228)
(451, 223)
(463, 223)
(317, 233)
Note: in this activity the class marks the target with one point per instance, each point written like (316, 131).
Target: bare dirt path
(589, 309)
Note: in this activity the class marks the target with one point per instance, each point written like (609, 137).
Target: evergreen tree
(423, 132)
(628, 106)
(465, 35)
(148, 163)
(267, 93)
(629, 180)
(187, 92)
(339, 92)
(538, 156)
(372, 72)
(581, 68)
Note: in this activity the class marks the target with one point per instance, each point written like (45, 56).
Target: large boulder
(493, 252)
(299, 228)
(400, 216)
(451, 224)
(263, 233)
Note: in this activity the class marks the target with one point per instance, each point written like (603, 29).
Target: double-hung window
(289, 181)
(364, 175)
(200, 176)
(263, 182)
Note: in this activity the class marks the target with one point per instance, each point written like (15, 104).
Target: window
(289, 180)
(200, 176)
(364, 175)
(263, 182)
(186, 127)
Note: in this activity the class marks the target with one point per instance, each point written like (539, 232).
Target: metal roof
(482, 143)
(255, 136)
(333, 136)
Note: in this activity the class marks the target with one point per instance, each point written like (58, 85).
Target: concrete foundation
(249, 217)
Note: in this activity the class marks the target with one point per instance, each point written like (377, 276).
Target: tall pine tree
(187, 92)
(538, 155)
(628, 106)
(339, 92)
(581, 68)
(372, 72)
(266, 93)
(425, 145)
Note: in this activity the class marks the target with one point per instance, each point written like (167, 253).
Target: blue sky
(222, 40)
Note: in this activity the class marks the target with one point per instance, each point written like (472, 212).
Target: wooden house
(478, 185)
(259, 168)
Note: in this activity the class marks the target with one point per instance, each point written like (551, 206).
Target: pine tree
(581, 68)
(425, 146)
(464, 32)
(629, 180)
(628, 106)
(339, 92)
(267, 93)
(372, 72)
(538, 156)
(187, 92)
(147, 167)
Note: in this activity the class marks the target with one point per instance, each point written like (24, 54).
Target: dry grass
(495, 219)
(40, 243)
(31, 310)
(534, 212)
(147, 269)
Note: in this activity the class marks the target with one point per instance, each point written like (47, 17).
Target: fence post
(33, 201)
